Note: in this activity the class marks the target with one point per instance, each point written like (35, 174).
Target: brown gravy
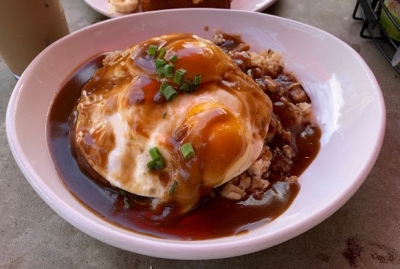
(215, 217)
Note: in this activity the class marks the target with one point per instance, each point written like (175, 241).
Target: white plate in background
(102, 6)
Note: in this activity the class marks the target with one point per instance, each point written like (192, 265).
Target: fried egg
(122, 114)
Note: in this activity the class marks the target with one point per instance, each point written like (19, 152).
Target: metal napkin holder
(372, 28)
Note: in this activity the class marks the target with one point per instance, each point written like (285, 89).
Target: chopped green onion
(161, 53)
(122, 192)
(197, 79)
(155, 153)
(126, 203)
(186, 86)
(160, 63)
(187, 150)
(166, 71)
(163, 86)
(152, 50)
(173, 58)
(173, 187)
(151, 165)
(159, 164)
(160, 72)
(179, 75)
(156, 164)
(169, 93)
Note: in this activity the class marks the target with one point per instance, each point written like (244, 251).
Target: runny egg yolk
(198, 57)
(219, 139)
(225, 119)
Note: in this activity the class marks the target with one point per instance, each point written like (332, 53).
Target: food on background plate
(187, 138)
(129, 6)
(123, 6)
(148, 5)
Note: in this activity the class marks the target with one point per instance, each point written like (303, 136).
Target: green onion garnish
(126, 203)
(179, 75)
(169, 93)
(160, 63)
(197, 79)
(161, 53)
(122, 192)
(187, 151)
(163, 86)
(173, 58)
(173, 187)
(160, 72)
(159, 164)
(152, 50)
(155, 153)
(151, 165)
(186, 86)
(156, 162)
(168, 70)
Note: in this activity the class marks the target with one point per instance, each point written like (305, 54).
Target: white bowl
(346, 98)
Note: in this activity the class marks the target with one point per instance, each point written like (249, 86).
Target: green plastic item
(393, 7)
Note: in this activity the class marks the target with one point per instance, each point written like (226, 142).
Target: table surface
(364, 233)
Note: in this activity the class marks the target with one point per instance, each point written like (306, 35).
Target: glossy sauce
(214, 217)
